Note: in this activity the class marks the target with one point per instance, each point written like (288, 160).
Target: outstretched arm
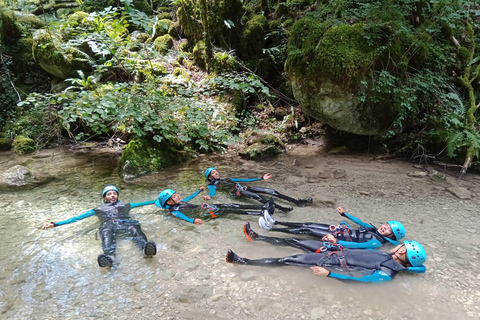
(370, 244)
(378, 276)
(342, 212)
(193, 195)
(87, 214)
(141, 204)
(245, 180)
(180, 215)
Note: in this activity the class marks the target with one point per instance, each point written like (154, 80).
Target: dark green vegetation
(130, 69)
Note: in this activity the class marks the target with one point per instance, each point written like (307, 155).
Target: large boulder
(143, 156)
(328, 67)
(57, 59)
(16, 176)
(15, 25)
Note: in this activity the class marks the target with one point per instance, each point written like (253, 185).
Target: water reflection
(46, 274)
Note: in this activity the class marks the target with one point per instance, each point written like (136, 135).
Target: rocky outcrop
(15, 25)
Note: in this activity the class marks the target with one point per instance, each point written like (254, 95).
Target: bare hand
(319, 271)
(197, 221)
(329, 238)
(340, 210)
(207, 197)
(201, 188)
(267, 176)
(48, 225)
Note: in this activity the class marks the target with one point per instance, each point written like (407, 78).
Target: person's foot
(150, 249)
(264, 224)
(249, 233)
(233, 258)
(104, 260)
(303, 202)
(268, 218)
(284, 209)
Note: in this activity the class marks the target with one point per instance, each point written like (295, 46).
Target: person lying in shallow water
(232, 185)
(114, 216)
(367, 236)
(171, 200)
(372, 265)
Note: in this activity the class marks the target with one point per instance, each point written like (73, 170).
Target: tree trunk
(206, 34)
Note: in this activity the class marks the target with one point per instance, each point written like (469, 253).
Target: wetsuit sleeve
(180, 215)
(356, 220)
(212, 190)
(245, 180)
(193, 195)
(87, 214)
(141, 204)
(378, 276)
(370, 244)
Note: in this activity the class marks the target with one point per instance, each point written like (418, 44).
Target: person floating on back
(367, 236)
(114, 216)
(232, 185)
(171, 200)
(365, 265)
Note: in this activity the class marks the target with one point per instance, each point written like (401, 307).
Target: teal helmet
(109, 188)
(208, 171)
(415, 253)
(398, 229)
(163, 197)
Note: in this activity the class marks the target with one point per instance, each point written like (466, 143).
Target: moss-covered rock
(326, 66)
(199, 54)
(51, 54)
(5, 144)
(15, 25)
(253, 36)
(163, 44)
(142, 156)
(22, 145)
(161, 27)
(259, 151)
(223, 62)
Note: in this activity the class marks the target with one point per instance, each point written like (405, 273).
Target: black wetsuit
(377, 265)
(235, 189)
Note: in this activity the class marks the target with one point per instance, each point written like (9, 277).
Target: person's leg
(149, 248)
(255, 196)
(309, 229)
(240, 209)
(109, 245)
(306, 245)
(302, 260)
(277, 194)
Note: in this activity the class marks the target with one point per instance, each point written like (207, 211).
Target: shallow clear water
(54, 273)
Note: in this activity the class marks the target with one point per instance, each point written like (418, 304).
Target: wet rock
(364, 193)
(317, 313)
(248, 275)
(324, 175)
(324, 201)
(339, 150)
(460, 192)
(437, 176)
(16, 176)
(191, 265)
(418, 174)
(339, 173)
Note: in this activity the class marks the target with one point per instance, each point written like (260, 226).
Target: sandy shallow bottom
(53, 274)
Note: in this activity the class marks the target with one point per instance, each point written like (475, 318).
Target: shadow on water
(46, 274)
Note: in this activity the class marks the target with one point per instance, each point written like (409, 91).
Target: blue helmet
(208, 171)
(415, 253)
(398, 229)
(109, 188)
(163, 197)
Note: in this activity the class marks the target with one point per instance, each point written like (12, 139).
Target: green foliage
(253, 36)
(5, 144)
(163, 44)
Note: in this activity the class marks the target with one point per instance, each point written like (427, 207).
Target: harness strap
(238, 190)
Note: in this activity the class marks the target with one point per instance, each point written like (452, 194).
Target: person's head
(110, 194)
(167, 197)
(212, 173)
(393, 230)
(409, 253)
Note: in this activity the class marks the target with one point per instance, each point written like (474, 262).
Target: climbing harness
(334, 249)
(210, 210)
(238, 190)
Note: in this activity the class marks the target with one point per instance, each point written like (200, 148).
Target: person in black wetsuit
(232, 185)
(114, 216)
(171, 200)
(366, 237)
(372, 265)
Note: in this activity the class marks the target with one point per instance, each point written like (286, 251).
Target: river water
(54, 274)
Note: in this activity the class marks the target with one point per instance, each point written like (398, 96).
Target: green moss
(163, 15)
(161, 27)
(463, 54)
(5, 144)
(143, 156)
(163, 44)
(143, 6)
(22, 145)
(223, 62)
(174, 30)
(299, 3)
(253, 36)
(199, 54)
(15, 25)
(259, 151)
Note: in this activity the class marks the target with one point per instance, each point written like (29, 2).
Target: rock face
(16, 176)
(15, 25)
(328, 67)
